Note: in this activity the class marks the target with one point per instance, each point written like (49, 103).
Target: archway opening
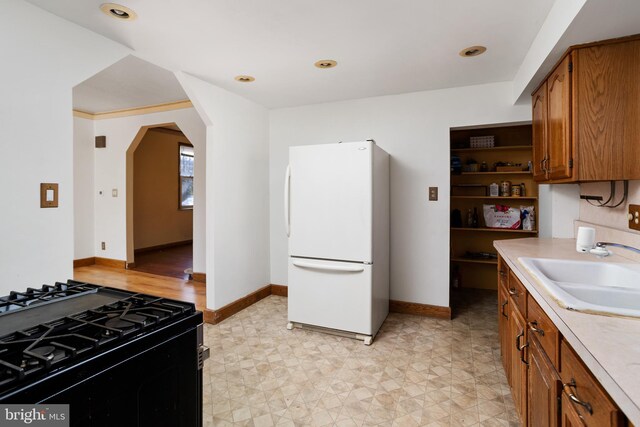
(163, 200)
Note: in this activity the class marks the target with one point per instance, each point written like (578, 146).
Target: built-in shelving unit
(469, 190)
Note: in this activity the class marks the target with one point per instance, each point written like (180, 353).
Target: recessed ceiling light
(244, 79)
(118, 11)
(326, 63)
(473, 51)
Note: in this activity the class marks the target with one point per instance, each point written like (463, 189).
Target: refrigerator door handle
(287, 185)
(348, 268)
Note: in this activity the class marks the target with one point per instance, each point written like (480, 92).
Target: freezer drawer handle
(354, 268)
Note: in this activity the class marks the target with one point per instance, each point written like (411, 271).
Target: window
(186, 176)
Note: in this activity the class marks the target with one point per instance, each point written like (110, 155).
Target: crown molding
(169, 106)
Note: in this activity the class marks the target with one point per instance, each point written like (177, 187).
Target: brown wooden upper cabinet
(586, 115)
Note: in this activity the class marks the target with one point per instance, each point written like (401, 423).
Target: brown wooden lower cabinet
(518, 329)
(544, 388)
(548, 389)
(503, 329)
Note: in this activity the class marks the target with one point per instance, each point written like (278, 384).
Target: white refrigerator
(337, 220)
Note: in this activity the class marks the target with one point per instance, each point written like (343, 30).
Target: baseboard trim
(280, 290)
(83, 262)
(217, 316)
(199, 277)
(417, 309)
(108, 262)
(163, 246)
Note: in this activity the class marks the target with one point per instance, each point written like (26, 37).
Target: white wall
(43, 57)
(559, 208)
(237, 191)
(83, 185)
(414, 129)
(110, 173)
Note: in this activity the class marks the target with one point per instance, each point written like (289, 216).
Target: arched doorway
(160, 201)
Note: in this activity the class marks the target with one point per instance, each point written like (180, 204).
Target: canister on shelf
(505, 188)
(516, 190)
(494, 190)
(523, 190)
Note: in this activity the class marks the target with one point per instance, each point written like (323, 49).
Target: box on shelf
(482, 141)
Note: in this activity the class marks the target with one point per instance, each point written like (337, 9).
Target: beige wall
(156, 217)
(614, 218)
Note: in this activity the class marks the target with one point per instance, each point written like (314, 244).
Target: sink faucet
(601, 248)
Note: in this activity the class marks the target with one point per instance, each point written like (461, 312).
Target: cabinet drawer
(518, 293)
(544, 330)
(584, 392)
(503, 273)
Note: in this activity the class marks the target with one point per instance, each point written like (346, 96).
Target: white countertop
(608, 346)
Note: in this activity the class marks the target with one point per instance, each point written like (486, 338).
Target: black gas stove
(116, 357)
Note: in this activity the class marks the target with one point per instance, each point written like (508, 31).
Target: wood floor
(136, 281)
(166, 262)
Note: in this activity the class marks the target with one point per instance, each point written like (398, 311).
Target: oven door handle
(203, 354)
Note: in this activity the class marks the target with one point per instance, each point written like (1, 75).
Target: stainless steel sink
(596, 287)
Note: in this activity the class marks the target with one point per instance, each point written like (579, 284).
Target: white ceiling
(130, 82)
(382, 46)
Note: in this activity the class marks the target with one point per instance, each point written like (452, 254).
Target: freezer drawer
(331, 294)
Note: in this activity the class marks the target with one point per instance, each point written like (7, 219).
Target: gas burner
(45, 351)
(43, 354)
(119, 323)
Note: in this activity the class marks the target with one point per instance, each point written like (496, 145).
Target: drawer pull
(521, 350)
(534, 327)
(502, 309)
(572, 384)
(512, 291)
(521, 334)
(502, 273)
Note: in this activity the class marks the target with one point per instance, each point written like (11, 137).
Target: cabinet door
(559, 122)
(544, 388)
(518, 330)
(503, 327)
(539, 129)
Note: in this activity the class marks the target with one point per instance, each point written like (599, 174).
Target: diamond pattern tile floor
(418, 372)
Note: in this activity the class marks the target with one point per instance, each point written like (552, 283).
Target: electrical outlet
(433, 194)
(634, 217)
(114, 192)
(103, 245)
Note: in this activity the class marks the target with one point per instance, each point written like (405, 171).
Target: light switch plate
(433, 194)
(48, 195)
(634, 217)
